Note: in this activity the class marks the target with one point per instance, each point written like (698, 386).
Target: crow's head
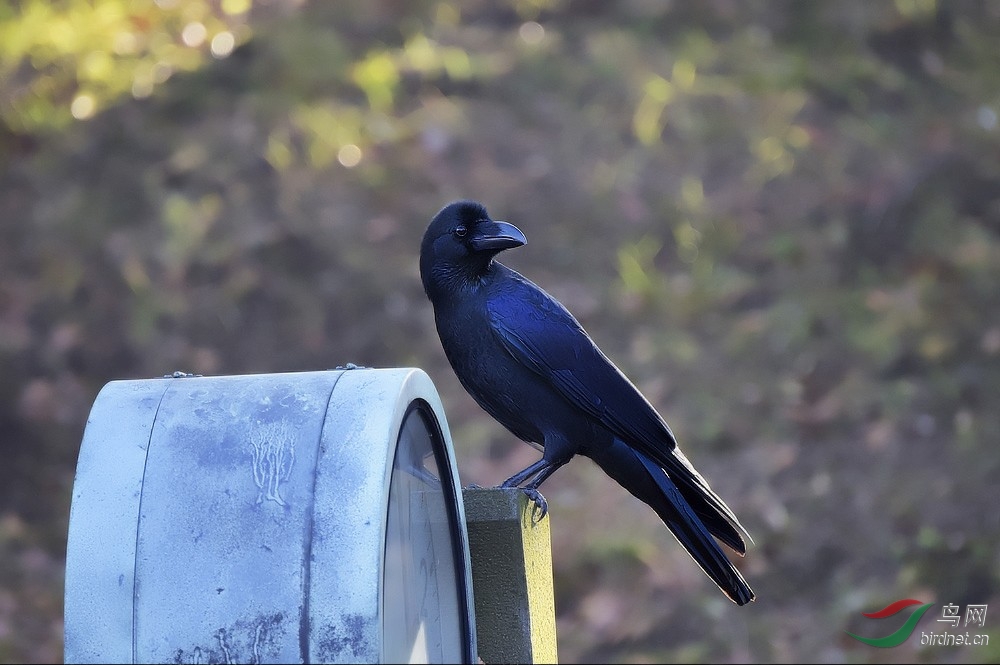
(460, 244)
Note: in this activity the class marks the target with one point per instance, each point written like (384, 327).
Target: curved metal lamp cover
(298, 517)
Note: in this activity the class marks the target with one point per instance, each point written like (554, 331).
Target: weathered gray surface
(226, 518)
(252, 531)
(100, 562)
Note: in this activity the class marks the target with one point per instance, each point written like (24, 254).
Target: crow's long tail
(648, 482)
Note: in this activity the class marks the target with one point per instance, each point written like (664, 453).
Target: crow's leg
(529, 479)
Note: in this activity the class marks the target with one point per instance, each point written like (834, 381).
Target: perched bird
(527, 361)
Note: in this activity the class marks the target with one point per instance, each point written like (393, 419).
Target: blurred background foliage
(782, 219)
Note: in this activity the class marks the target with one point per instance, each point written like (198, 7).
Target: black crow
(526, 361)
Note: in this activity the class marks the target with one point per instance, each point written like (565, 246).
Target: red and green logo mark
(904, 632)
(975, 614)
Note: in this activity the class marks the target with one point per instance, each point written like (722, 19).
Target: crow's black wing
(541, 334)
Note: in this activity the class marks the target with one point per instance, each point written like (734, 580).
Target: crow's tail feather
(646, 480)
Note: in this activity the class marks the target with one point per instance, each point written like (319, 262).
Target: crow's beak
(496, 237)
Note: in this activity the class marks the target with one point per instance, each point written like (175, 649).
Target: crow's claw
(541, 508)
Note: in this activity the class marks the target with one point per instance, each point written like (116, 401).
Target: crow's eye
(460, 231)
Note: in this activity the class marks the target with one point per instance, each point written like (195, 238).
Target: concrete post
(511, 577)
